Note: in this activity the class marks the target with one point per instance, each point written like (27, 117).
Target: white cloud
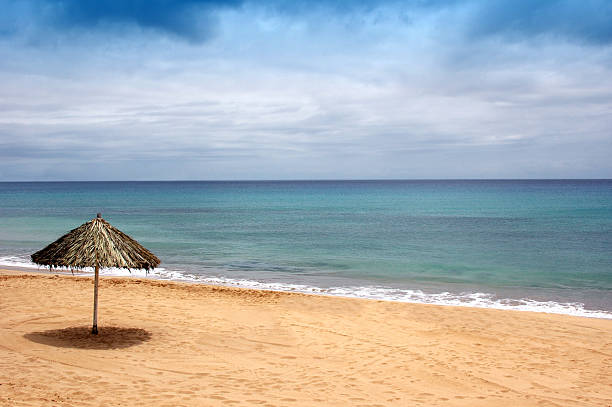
(277, 96)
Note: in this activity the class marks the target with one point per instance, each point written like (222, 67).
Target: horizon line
(321, 180)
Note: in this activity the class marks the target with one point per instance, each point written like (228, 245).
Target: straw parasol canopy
(96, 244)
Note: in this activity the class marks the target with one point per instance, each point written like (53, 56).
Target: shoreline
(171, 343)
(87, 276)
(477, 299)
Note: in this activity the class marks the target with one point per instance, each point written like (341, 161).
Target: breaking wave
(464, 299)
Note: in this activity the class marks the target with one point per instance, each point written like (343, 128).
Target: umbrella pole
(94, 329)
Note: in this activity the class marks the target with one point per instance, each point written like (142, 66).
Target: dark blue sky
(236, 89)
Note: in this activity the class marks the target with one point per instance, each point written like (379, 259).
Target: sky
(274, 89)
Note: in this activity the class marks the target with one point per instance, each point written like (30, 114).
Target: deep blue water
(483, 242)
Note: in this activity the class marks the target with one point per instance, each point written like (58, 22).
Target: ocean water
(527, 245)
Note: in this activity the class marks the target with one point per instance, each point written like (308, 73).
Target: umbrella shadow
(109, 337)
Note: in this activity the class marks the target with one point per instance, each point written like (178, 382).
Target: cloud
(314, 89)
(186, 19)
(585, 21)
(268, 122)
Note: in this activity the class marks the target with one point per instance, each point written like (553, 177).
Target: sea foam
(463, 299)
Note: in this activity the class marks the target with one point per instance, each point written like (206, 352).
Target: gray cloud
(586, 21)
(303, 97)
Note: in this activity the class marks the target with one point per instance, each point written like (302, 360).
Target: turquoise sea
(533, 245)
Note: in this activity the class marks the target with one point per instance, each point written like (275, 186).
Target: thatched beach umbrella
(96, 244)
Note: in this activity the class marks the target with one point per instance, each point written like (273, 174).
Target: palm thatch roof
(96, 243)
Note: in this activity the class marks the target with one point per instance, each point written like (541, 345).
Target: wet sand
(177, 344)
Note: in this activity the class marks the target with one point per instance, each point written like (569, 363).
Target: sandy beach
(175, 344)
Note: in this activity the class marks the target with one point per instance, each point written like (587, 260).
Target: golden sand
(175, 344)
